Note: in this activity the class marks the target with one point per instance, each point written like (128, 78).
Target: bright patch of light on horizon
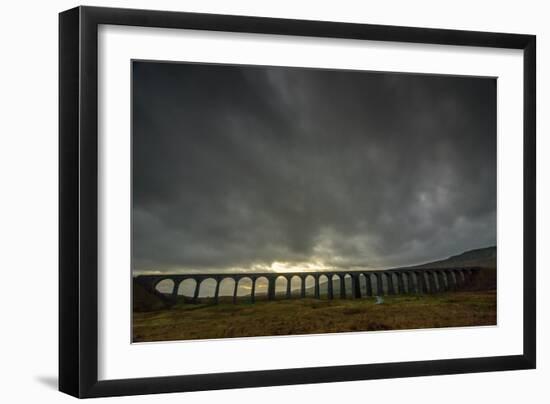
(282, 267)
(339, 264)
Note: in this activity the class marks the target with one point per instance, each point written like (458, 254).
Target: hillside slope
(481, 257)
(144, 300)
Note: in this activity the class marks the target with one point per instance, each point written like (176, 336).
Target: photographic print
(285, 200)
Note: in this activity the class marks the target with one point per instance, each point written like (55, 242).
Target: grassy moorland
(312, 316)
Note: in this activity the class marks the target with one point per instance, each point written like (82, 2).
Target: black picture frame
(78, 206)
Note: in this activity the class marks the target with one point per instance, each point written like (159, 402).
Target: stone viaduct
(388, 282)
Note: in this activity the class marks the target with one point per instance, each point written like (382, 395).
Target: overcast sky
(255, 168)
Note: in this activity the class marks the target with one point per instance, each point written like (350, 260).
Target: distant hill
(481, 257)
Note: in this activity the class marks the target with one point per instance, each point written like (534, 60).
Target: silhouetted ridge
(481, 257)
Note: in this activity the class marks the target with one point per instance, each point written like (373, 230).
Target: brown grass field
(312, 316)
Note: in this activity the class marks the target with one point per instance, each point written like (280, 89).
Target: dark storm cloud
(235, 166)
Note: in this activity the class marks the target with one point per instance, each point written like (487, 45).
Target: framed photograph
(251, 201)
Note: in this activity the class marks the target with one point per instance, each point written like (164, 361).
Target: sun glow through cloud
(282, 267)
